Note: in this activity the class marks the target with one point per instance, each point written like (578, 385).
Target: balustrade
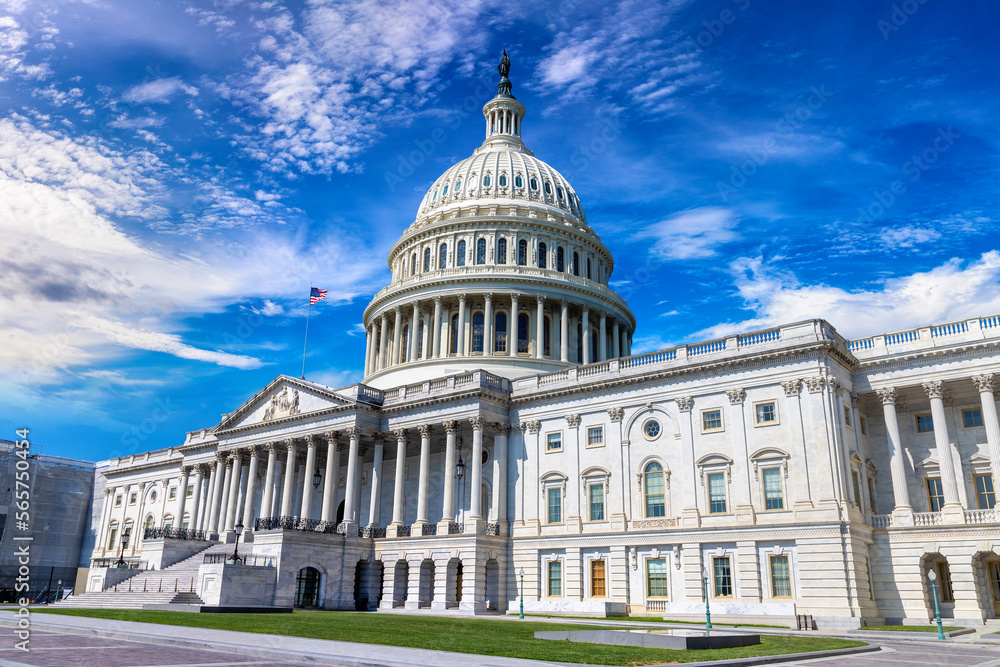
(173, 533)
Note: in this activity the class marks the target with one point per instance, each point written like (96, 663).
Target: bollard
(175, 585)
(161, 585)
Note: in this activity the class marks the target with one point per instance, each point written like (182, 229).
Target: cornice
(357, 408)
(915, 358)
(500, 398)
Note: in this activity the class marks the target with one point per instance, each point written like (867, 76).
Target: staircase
(175, 584)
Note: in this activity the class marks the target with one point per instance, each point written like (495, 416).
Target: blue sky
(174, 176)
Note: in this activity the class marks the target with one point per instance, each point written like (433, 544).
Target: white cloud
(14, 50)
(158, 90)
(693, 234)
(651, 343)
(894, 238)
(955, 290)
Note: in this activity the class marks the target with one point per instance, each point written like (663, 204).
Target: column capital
(540, 299)
(573, 420)
(564, 303)
(290, 445)
(887, 395)
(477, 423)
(142, 486)
(602, 314)
(385, 318)
(983, 382)
(684, 403)
(332, 436)
(616, 414)
(354, 432)
(855, 399)
(183, 469)
(379, 437)
(273, 446)
(220, 457)
(736, 395)
(791, 387)
(438, 300)
(310, 439)
(461, 298)
(835, 386)
(815, 384)
(204, 469)
(933, 388)
(515, 296)
(108, 490)
(451, 426)
(489, 297)
(425, 430)
(534, 425)
(400, 434)
(398, 311)
(501, 428)
(585, 309)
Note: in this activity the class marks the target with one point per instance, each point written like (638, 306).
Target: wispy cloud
(694, 234)
(158, 90)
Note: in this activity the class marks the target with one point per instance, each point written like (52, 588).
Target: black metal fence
(174, 533)
(250, 560)
(493, 529)
(130, 563)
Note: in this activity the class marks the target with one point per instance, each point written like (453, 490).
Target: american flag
(316, 295)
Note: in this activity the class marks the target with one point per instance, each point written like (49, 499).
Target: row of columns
(891, 403)
(380, 355)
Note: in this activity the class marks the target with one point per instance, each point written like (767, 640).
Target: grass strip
(908, 628)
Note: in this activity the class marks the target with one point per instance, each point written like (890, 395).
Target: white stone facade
(809, 474)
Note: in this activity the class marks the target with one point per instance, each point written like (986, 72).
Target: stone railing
(173, 533)
(980, 516)
(249, 560)
(927, 519)
(936, 335)
(658, 606)
(881, 521)
(445, 385)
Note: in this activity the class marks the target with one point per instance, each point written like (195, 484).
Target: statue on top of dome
(503, 89)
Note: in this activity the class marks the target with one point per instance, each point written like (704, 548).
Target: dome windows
(522, 253)
(481, 251)
(443, 256)
(458, 185)
(558, 190)
(518, 183)
(542, 249)
(560, 259)
(460, 254)
(427, 259)
(576, 263)
(445, 193)
(502, 180)
(533, 183)
(486, 181)
(501, 251)
(435, 195)
(548, 188)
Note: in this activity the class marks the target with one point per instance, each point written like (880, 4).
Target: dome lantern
(503, 113)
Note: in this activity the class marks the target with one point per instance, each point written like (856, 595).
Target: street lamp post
(708, 609)
(121, 558)
(238, 528)
(937, 610)
(521, 614)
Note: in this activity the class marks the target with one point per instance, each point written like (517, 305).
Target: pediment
(285, 397)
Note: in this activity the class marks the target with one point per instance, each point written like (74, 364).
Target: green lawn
(512, 639)
(909, 628)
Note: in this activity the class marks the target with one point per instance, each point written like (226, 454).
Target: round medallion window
(486, 456)
(152, 497)
(651, 429)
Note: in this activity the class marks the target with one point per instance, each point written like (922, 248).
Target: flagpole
(305, 343)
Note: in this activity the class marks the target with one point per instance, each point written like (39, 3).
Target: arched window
(522, 333)
(168, 521)
(427, 259)
(560, 259)
(148, 526)
(307, 585)
(454, 334)
(477, 332)
(446, 191)
(413, 265)
(460, 254)
(547, 335)
(588, 269)
(458, 185)
(481, 251)
(113, 535)
(579, 342)
(501, 251)
(576, 263)
(443, 256)
(522, 253)
(500, 332)
(401, 352)
(542, 249)
(654, 490)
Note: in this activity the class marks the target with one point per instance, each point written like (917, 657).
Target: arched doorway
(361, 593)
(943, 589)
(340, 512)
(492, 585)
(426, 583)
(453, 594)
(986, 572)
(307, 588)
(400, 583)
(376, 583)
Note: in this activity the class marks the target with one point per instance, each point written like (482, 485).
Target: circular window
(651, 429)
(486, 456)
(152, 497)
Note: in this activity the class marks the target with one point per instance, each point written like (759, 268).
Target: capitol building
(505, 443)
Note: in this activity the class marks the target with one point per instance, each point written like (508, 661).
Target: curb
(913, 636)
(788, 657)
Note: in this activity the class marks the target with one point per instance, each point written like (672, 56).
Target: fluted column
(206, 504)
(182, 488)
(984, 384)
(897, 468)
(540, 328)
(307, 487)
(397, 335)
(374, 507)
(399, 481)
(602, 342)
(488, 325)
(460, 348)
(935, 392)
(411, 341)
(368, 350)
(476, 481)
(199, 475)
(383, 338)
(512, 326)
(354, 433)
(330, 478)
(436, 333)
(268, 499)
(448, 504)
(251, 489)
(234, 491)
(226, 486)
(564, 331)
(500, 471)
(616, 350)
(585, 330)
(425, 472)
(288, 492)
(217, 475)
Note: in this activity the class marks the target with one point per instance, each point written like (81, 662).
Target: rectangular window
(173, 493)
(597, 579)
(864, 424)
(856, 482)
(984, 491)
(781, 577)
(935, 494)
(555, 578)
(656, 577)
(722, 577)
(118, 501)
(596, 502)
(555, 505)
(190, 490)
(871, 495)
(717, 493)
(944, 579)
(132, 497)
(185, 525)
(711, 420)
(553, 442)
(112, 536)
(773, 498)
(972, 417)
(847, 415)
(595, 436)
(924, 424)
(766, 413)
